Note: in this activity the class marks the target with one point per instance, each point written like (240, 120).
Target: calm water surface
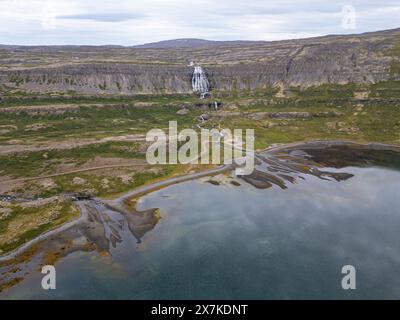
(239, 242)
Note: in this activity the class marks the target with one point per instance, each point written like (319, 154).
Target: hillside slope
(365, 58)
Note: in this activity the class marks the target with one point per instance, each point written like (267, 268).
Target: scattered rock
(118, 121)
(126, 179)
(78, 181)
(359, 107)
(257, 116)
(226, 114)
(105, 183)
(290, 115)
(268, 124)
(4, 213)
(231, 106)
(327, 114)
(47, 184)
(4, 129)
(155, 170)
(37, 127)
(282, 91)
(331, 125)
(350, 130)
(204, 117)
(145, 104)
(200, 106)
(183, 112)
(361, 94)
(342, 127)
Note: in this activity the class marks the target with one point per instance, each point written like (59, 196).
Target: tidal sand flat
(284, 232)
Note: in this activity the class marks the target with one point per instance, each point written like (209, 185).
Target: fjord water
(239, 242)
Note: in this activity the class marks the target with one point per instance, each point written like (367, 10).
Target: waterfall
(199, 81)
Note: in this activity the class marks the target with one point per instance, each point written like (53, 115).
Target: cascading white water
(199, 81)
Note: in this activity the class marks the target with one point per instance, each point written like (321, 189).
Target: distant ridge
(191, 43)
(197, 43)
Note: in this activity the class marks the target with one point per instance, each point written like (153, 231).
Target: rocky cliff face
(308, 65)
(366, 58)
(98, 78)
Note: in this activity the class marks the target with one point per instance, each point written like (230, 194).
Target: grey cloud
(155, 20)
(105, 17)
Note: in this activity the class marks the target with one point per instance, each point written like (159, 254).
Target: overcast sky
(130, 22)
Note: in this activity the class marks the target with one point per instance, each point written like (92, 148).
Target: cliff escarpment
(98, 78)
(367, 58)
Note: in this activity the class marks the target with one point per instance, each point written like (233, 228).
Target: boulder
(183, 112)
(290, 115)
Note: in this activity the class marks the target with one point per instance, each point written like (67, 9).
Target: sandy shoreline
(115, 202)
(48, 234)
